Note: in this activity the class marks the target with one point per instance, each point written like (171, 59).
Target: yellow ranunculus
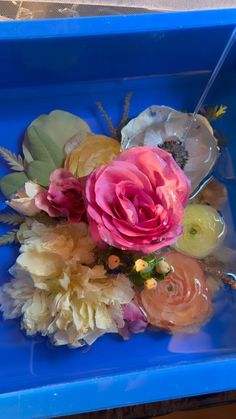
(93, 152)
(204, 230)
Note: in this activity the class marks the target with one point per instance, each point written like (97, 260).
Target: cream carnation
(87, 309)
(56, 293)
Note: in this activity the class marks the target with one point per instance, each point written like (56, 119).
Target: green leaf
(9, 238)
(42, 147)
(11, 218)
(136, 278)
(39, 172)
(147, 272)
(42, 155)
(27, 155)
(60, 126)
(15, 162)
(11, 183)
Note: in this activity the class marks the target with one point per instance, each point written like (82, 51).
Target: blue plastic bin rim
(68, 398)
(114, 25)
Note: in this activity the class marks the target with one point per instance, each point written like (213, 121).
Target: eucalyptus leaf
(60, 126)
(11, 183)
(42, 147)
(27, 155)
(39, 171)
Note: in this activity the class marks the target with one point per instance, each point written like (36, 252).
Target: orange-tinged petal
(182, 300)
(93, 152)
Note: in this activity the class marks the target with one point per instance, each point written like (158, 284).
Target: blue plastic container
(70, 64)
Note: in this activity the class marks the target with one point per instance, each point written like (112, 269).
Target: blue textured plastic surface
(69, 64)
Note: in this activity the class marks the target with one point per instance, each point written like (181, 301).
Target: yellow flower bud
(91, 153)
(140, 265)
(150, 283)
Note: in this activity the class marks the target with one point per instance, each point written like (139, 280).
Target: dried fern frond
(14, 161)
(8, 238)
(125, 115)
(107, 119)
(11, 218)
(214, 113)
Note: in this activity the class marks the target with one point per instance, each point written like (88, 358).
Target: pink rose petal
(137, 201)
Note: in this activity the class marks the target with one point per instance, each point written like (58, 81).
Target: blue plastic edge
(143, 386)
(111, 25)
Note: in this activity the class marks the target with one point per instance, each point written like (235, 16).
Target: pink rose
(64, 197)
(136, 202)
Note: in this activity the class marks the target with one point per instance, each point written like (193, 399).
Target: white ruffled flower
(56, 293)
(68, 241)
(89, 308)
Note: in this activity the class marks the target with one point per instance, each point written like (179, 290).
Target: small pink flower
(64, 197)
(136, 202)
(135, 319)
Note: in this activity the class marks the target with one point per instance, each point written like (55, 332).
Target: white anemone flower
(191, 141)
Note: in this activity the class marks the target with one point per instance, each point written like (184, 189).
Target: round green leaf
(41, 147)
(39, 172)
(60, 126)
(12, 183)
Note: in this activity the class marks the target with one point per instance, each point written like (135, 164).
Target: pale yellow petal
(42, 264)
(102, 317)
(204, 230)
(25, 206)
(32, 189)
(91, 153)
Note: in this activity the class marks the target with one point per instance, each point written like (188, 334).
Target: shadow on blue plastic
(70, 64)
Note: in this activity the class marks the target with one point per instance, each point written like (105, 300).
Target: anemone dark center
(178, 151)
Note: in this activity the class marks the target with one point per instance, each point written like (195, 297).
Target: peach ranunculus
(137, 201)
(91, 153)
(182, 301)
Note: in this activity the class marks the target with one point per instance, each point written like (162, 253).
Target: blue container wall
(82, 58)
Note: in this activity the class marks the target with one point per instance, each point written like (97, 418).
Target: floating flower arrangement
(115, 233)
